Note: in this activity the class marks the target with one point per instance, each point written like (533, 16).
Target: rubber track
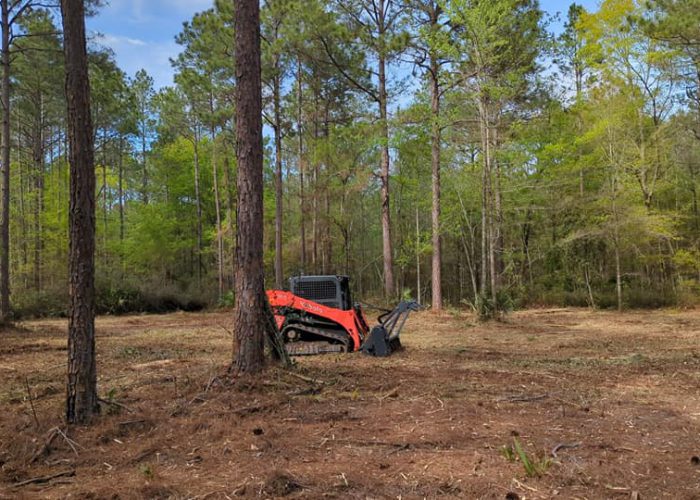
(342, 340)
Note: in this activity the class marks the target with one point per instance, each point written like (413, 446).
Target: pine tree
(81, 397)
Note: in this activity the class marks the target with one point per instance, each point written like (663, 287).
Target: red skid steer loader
(318, 316)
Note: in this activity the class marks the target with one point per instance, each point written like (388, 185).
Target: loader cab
(332, 291)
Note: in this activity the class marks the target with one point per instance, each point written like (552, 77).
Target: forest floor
(602, 405)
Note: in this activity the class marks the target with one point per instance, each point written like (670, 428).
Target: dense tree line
(460, 151)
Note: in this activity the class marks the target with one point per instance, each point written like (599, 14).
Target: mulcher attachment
(378, 343)
(384, 338)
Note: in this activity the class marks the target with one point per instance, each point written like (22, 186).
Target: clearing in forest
(569, 403)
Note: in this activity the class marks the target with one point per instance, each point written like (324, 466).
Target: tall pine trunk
(279, 272)
(81, 393)
(217, 207)
(249, 309)
(38, 162)
(300, 152)
(121, 188)
(388, 252)
(435, 158)
(5, 161)
(198, 200)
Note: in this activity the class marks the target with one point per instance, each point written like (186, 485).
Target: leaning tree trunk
(81, 396)
(250, 302)
(5, 160)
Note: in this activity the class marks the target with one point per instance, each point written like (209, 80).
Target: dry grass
(431, 421)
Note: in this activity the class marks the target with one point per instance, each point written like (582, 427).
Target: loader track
(340, 341)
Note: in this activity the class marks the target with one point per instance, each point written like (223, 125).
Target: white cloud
(142, 12)
(141, 33)
(115, 41)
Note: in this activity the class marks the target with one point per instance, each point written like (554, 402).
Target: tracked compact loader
(317, 316)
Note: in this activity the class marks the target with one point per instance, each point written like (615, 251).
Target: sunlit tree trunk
(249, 309)
(81, 397)
(436, 283)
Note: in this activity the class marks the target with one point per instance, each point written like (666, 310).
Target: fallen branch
(523, 399)
(213, 380)
(46, 447)
(129, 423)
(68, 440)
(617, 488)
(45, 479)
(115, 404)
(307, 379)
(562, 446)
(31, 401)
(311, 391)
(249, 409)
(524, 486)
(391, 394)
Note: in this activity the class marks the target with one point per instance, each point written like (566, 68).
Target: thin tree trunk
(104, 197)
(300, 152)
(435, 158)
(5, 160)
(217, 208)
(121, 188)
(81, 396)
(229, 214)
(315, 231)
(328, 241)
(144, 166)
(388, 252)
(38, 157)
(618, 277)
(249, 309)
(484, 202)
(198, 200)
(279, 272)
(418, 283)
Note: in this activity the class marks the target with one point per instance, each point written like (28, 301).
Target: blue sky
(142, 32)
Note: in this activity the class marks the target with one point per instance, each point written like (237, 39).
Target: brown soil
(615, 396)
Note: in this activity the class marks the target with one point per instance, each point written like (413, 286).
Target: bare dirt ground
(616, 397)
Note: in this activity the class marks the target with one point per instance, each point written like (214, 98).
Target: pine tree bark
(436, 284)
(300, 153)
(144, 166)
(38, 161)
(249, 309)
(81, 394)
(198, 200)
(279, 272)
(231, 245)
(388, 252)
(217, 207)
(121, 188)
(5, 163)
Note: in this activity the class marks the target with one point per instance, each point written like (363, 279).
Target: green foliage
(594, 169)
(508, 452)
(534, 466)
